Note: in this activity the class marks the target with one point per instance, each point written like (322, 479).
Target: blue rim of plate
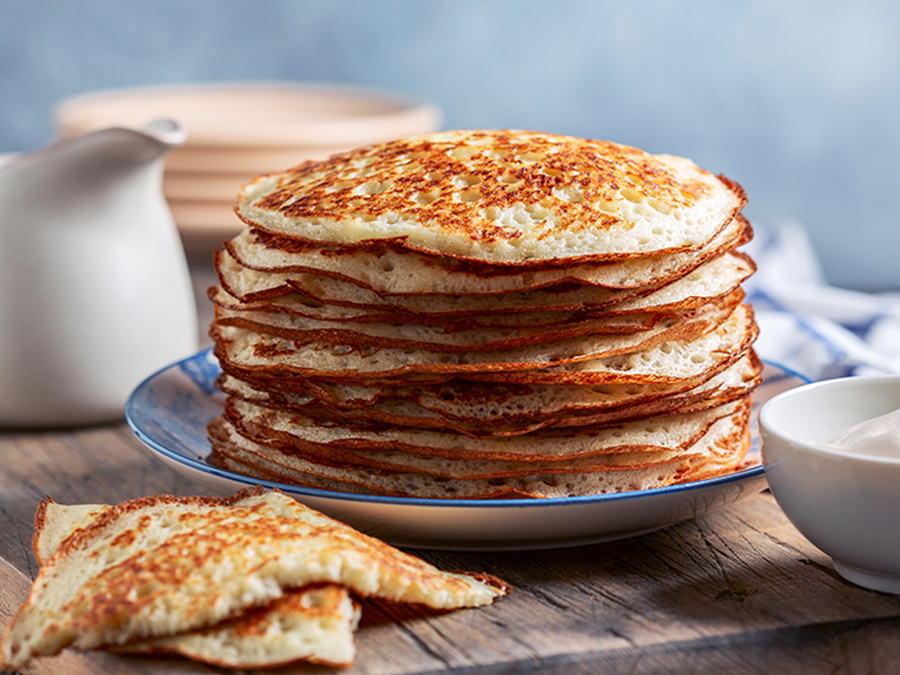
(202, 378)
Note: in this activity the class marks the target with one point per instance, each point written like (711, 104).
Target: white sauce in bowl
(879, 437)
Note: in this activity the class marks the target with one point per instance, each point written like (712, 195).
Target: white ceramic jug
(95, 292)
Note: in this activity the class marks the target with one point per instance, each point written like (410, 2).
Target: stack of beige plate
(483, 314)
(236, 131)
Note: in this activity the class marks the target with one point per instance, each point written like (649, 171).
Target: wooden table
(736, 591)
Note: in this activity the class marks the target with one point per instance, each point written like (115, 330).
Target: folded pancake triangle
(163, 566)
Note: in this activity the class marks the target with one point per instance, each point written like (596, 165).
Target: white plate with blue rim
(170, 410)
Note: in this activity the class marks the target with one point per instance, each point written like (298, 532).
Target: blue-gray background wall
(798, 101)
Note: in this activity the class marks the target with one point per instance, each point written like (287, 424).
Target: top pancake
(502, 197)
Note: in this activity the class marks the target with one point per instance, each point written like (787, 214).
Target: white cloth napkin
(810, 327)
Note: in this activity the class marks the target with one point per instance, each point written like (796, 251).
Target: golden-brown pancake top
(513, 197)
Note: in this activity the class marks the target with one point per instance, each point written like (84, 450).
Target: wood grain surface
(737, 591)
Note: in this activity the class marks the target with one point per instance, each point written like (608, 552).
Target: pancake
(478, 410)
(513, 197)
(388, 271)
(161, 566)
(708, 283)
(720, 450)
(247, 285)
(315, 623)
(322, 353)
(659, 433)
(671, 350)
(666, 362)
(428, 337)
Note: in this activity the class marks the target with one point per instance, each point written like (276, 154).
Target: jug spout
(141, 146)
(168, 132)
(117, 148)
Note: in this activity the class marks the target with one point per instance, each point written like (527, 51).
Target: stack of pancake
(482, 314)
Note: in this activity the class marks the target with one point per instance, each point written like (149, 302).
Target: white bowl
(846, 504)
